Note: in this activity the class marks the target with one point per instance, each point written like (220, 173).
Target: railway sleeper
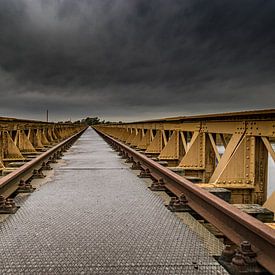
(163, 163)
(145, 172)
(16, 164)
(241, 260)
(123, 155)
(136, 166)
(129, 160)
(37, 174)
(46, 166)
(158, 183)
(219, 192)
(179, 204)
(52, 159)
(24, 187)
(257, 211)
(7, 205)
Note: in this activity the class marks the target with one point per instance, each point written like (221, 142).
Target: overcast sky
(135, 59)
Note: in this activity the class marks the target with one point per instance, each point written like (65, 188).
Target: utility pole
(47, 115)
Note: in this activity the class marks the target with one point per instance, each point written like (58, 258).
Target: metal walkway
(96, 217)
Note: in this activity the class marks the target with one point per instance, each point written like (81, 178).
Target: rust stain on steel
(235, 224)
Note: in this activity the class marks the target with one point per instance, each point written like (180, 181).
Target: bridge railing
(21, 138)
(227, 150)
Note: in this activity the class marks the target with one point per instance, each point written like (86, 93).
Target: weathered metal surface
(257, 211)
(10, 182)
(270, 203)
(7, 206)
(241, 261)
(222, 193)
(192, 144)
(235, 224)
(20, 140)
(97, 217)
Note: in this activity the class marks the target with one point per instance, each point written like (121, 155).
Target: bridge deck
(96, 217)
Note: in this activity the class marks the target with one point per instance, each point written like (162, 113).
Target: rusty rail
(233, 223)
(10, 182)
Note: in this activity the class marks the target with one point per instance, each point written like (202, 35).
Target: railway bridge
(182, 195)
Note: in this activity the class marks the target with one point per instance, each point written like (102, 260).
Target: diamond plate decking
(96, 217)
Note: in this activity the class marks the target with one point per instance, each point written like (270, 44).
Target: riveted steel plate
(98, 221)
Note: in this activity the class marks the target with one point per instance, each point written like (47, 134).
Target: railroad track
(255, 240)
(19, 181)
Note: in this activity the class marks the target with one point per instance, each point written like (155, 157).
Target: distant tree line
(90, 121)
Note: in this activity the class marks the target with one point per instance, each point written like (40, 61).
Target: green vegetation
(93, 121)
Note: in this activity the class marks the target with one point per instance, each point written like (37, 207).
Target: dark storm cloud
(121, 58)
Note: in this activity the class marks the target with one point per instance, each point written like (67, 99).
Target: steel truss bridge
(211, 171)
